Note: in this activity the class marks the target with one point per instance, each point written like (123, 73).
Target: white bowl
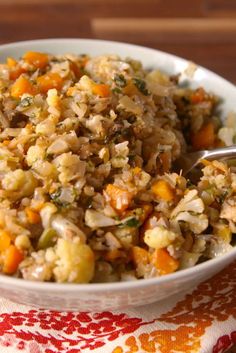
(98, 297)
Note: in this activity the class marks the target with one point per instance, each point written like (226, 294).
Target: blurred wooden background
(201, 30)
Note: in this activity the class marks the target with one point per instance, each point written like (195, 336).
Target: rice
(86, 186)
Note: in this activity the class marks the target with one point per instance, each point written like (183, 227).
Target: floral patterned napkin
(201, 321)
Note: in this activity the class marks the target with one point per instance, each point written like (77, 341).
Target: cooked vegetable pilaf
(86, 188)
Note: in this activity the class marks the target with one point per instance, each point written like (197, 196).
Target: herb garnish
(120, 80)
(55, 197)
(26, 102)
(131, 222)
(141, 85)
(116, 90)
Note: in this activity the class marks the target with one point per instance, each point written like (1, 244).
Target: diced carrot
(38, 60)
(101, 90)
(15, 72)
(162, 189)
(5, 240)
(204, 138)
(49, 81)
(131, 90)
(120, 199)
(136, 170)
(12, 258)
(20, 86)
(71, 91)
(32, 216)
(112, 255)
(11, 62)
(6, 142)
(164, 262)
(146, 210)
(198, 96)
(28, 126)
(139, 256)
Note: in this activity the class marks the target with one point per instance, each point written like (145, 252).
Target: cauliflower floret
(19, 183)
(159, 237)
(70, 167)
(228, 210)
(14, 180)
(34, 154)
(85, 83)
(52, 99)
(22, 242)
(45, 169)
(94, 219)
(197, 223)
(191, 202)
(218, 248)
(226, 134)
(75, 262)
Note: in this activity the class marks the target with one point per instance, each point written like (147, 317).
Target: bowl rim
(110, 286)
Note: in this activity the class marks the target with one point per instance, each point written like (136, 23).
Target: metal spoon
(187, 162)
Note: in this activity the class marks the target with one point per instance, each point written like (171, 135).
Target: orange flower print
(212, 300)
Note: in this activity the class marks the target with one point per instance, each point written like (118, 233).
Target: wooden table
(203, 31)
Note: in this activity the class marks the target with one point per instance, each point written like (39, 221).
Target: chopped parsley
(26, 102)
(131, 222)
(141, 85)
(116, 90)
(120, 80)
(221, 198)
(56, 198)
(56, 195)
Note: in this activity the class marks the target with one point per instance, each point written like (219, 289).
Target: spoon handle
(223, 153)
